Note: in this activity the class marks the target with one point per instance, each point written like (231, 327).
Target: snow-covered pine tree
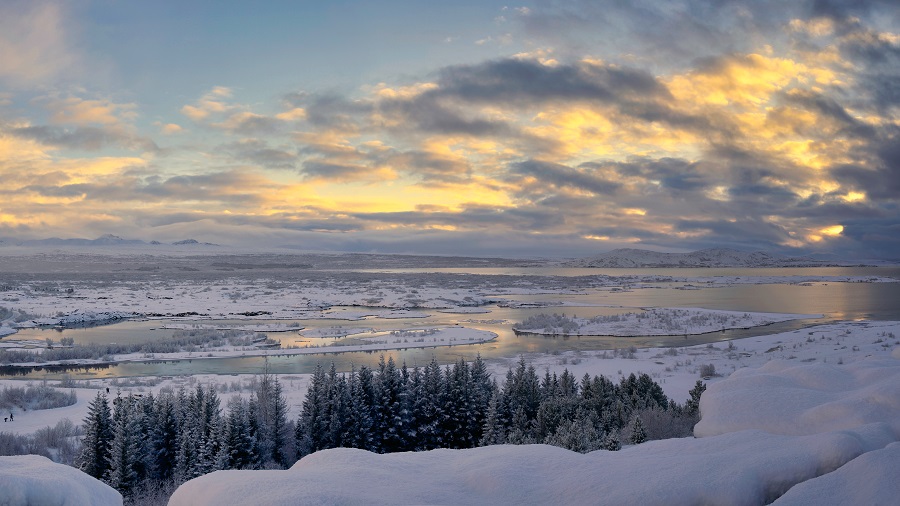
(98, 435)
(388, 407)
(279, 425)
(362, 398)
(236, 449)
(481, 390)
(638, 434)
(338, 409)
(312, 420)
(412, 408)
(611, 442)
(692, 406)
(164, 439)
(431, 407)
(494, 432)
(125, 448)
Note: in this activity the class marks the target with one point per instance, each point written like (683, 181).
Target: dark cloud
(748, 233)
(332, 111)
(258, 152)
(231, 187)
(878, 176)
(873, 238)
(84, 138)
(337, 171)
(253, 125)
(674, 174)
(564, 176)
(430, 167)
(529, 81)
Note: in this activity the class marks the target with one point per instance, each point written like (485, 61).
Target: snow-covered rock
(32, 480)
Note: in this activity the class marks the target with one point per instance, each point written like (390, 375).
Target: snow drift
(782, 398)
(792, 425)
(33, 480)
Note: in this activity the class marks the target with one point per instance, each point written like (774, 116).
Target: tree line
(137, 443)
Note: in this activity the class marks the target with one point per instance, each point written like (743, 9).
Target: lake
(836, 301)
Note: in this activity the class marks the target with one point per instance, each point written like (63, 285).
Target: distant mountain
(192, 242)
(103, 240)
(713, 257)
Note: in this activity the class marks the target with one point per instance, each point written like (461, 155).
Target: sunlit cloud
(586, 124)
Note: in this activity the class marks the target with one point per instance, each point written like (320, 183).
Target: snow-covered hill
(714, 257)
(821, 427)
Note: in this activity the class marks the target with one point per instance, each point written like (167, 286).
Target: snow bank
(868, 479)
(783, 398)
(748, 467)
(37, 481)
(766, 431)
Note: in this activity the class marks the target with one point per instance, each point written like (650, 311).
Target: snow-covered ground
(655, 322)
(753, 463)
(32, 480)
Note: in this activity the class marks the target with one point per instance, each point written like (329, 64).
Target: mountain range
(103, 240)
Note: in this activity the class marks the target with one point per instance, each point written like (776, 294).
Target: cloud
(561, 175)
(170, 128)
(35, 44)
(86, 138)
(260, 153)
(78, 111)
(212, 102)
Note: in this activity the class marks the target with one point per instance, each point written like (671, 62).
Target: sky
(557, 128)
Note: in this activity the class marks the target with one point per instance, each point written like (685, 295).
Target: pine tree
(237, 449)
(611, 442)
(431, 407)
(481, 391)
(122, 474)
(362, 398)
(279, 427)
(494, 432)
(692, 406)
(638, 435)
(164, 442)
(388, 407)
(98, 435)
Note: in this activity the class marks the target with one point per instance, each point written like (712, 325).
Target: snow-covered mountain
(713, 257)
(103, 240)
